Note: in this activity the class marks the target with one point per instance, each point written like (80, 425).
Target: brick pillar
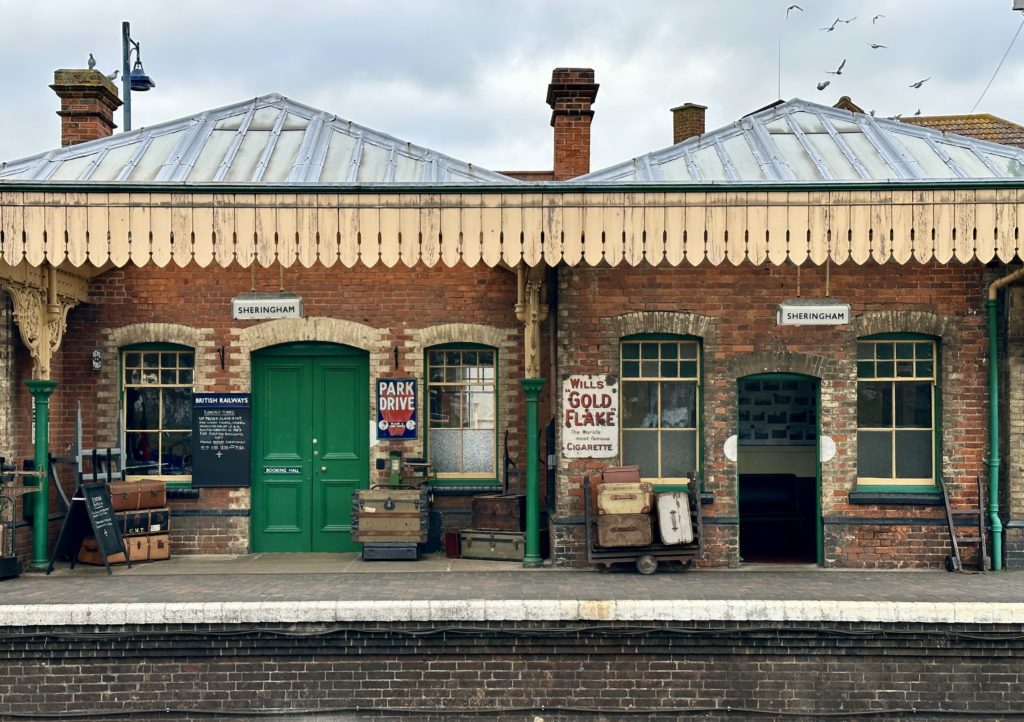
(571, 93)
(88, 100)
(687, 121)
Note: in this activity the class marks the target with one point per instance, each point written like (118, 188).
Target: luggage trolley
(646, 558)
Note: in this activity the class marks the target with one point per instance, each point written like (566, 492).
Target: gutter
(993, 419)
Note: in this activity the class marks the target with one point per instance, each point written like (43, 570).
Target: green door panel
(310, 446)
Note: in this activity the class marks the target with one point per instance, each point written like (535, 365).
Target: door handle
(323, 468)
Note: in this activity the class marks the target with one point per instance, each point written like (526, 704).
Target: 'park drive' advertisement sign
(396, 408)
(590, 416)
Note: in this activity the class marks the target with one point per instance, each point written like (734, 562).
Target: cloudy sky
(468, 77)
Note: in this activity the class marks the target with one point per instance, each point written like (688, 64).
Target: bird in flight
(919, 83)
(876, 46)
(113, 76)
(875, 19)
(824, 84)
(839, 70)
(92, 62)
(831, 27)
(840, 20)
(793, 7)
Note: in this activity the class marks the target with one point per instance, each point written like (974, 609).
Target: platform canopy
(271, 181)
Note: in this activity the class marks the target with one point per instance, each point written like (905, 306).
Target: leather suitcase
(624, 498)
(499, 512)
(146, 521)
(624, 530)
(674, 523)
(137, 546)
(504, 545)
(387, 514)
(621, 473)
(159, 547)
(134, 495)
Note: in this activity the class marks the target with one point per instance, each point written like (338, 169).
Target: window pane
(132, 360)
(435, 358)
(186, 360)
(678, 453)
(150, 360)
(884, 350)
(185, 377)
(866, 369)
(177, 452)
(177, 408)
(168, 377)
(669, 350)
(445, 407)
(649, 369)
(885, 369)
(904, 350)
(669, 369)
(924, 369)
(141, 452)
(469, 358)
(914, 454)
(631, 369)
(678, 404)
(688, 350)
(874, 454)
(481, 410)
(478, 451)
(640, 405)
(630, 350)
(446, 450)
(451, 358)
(914, 404)
(142, 408)
(688, 369)
(436, 374)
(874, 404)
(487, 358)
(648, 351)
(169, 360)
(905, 369)
(924, 350)
(641, 448)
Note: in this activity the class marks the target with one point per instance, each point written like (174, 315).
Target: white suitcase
(674, 525)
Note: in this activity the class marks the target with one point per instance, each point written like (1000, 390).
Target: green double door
(310, 446)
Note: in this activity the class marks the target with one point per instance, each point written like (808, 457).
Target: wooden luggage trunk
(624, 530)
(505, 545)
(499, 512)
(614, 474)
(146, 521)
(137, 546)
(385, 514)
(624, 498)
(674, 523)
(134, 495)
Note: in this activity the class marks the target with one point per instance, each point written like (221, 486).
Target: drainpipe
(993, 418)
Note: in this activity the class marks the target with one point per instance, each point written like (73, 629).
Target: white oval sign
(730, 447)
(828, 449)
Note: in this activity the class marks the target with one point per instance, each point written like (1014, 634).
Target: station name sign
(813, 313)
(256, 306)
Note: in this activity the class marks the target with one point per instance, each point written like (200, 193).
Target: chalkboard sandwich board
(90, 515)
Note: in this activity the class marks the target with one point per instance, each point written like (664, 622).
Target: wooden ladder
(954, 562)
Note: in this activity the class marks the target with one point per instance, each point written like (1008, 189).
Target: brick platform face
(485, 670)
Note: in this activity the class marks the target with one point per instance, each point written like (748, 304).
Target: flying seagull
(824, 84)
(919, 83)
(793, 7)
(831, 27)
(876, 46)
(840, 20)
(839, 70)
(113, 76)
(92, 62)
(874, 19)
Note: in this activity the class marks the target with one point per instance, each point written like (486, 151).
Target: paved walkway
(341, 587)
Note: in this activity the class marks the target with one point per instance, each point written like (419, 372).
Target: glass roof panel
(70, 169)
(1010, 167)
(808, 123)
(869, 157)
(407, 170)
(779, 125)
(968, 161)
(110, 167)
(372, 164)
(844, 126)
(248, 155)
(232, 122)
(283, 158)
(930, 162)
(832, 154)
(264, 118)
(742, 158)
(155, 156)
(797, 159)
(210, 158)
(339, 158)
(675, 170)
(710, 164)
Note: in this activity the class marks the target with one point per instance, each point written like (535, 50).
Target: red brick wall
(743, 338)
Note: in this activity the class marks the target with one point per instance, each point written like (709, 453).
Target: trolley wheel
(646, 564)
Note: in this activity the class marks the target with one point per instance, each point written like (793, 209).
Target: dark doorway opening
(778, 469)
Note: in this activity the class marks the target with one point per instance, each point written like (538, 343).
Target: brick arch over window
(199, 340)
(924, 322)
(462, 333)
(682, 324)
(315, 329)
(775, 362)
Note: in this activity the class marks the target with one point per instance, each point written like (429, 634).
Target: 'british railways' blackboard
(221, 438)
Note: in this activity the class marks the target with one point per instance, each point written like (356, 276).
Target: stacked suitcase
(627, 509)
(390, 521)
(142, 516)
(498, 528)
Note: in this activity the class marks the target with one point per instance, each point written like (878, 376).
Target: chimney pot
(687, 121)
(88, 100)
(571, 94)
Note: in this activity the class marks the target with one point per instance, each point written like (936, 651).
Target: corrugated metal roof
(270, 139)
(802, 141)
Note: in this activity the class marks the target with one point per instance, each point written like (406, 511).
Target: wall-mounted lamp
(135, 79)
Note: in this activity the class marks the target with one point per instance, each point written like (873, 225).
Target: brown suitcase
(621, 473)
(134, 495)
(159, 547)
(624, 498)
(499, 512)
(624, 530)
(137, 546)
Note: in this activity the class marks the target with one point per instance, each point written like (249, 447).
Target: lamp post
(135, 78)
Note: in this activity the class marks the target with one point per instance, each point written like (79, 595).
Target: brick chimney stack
(571, 93)
(687, 121)
(87, 103)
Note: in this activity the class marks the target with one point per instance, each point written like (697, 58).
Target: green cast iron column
(532, 558)
(993, 438)
(41, 391)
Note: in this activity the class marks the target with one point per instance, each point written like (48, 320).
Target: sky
(468, 78)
